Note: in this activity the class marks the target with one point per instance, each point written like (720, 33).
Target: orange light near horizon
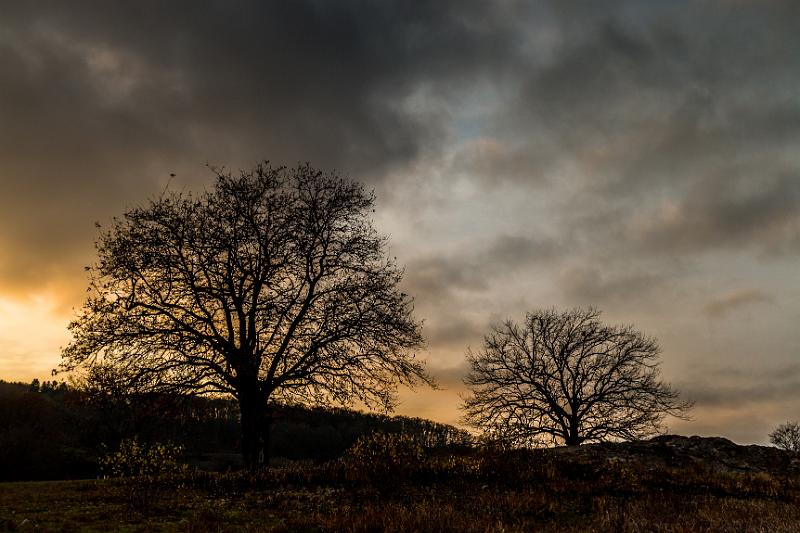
(32, 331)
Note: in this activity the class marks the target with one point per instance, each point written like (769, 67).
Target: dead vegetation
(666, 484)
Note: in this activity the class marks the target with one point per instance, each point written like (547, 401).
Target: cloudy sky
(641, 157)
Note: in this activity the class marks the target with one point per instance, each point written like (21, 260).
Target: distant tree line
(54, 430)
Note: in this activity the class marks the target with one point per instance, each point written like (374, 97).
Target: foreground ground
(660, 488)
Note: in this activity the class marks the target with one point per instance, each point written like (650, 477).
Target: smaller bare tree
(786, 436)
(568, 378)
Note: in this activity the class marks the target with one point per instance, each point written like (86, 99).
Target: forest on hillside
(51, 430)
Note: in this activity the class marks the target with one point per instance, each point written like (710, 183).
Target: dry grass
(478, 493)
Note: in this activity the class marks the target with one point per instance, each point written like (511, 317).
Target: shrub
(134, 459)
(145, 470)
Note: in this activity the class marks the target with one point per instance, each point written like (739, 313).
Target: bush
(146, 470)
(134, 459)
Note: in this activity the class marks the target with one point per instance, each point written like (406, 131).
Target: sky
(641, 157)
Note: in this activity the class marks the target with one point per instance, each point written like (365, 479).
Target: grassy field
(507, 492)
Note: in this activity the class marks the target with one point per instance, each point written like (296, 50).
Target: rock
(715, 453)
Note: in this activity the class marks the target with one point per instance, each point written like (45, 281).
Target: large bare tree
(567, 378)
(273, 285)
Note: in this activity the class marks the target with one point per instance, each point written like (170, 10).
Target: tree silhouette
(274, 285)
(567, 378)
(786, 436)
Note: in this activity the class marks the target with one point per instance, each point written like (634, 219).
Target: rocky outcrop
(715, 453)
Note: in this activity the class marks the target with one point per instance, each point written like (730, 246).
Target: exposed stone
(716, 453)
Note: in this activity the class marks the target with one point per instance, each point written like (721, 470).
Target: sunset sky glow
(640, 157)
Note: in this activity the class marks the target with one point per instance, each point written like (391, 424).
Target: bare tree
(786, 436)
(273, 285)
(567, 378)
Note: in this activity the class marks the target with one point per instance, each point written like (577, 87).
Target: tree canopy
(272, 285)
(787, 436)
(565, 377)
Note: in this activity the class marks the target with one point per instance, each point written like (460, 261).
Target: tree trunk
(574, 437)
(255, 430)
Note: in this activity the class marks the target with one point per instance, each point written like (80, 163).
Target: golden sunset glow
(32, 331)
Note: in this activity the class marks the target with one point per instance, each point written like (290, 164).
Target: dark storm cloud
(442, 283)
(299, 77)
(498, 163)
(738, 387)
(451, 377)
(721, 306)
(683, 104)
(101, 101)
(452, 332)
(477, 269)
(729, 211)
(591, 285)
